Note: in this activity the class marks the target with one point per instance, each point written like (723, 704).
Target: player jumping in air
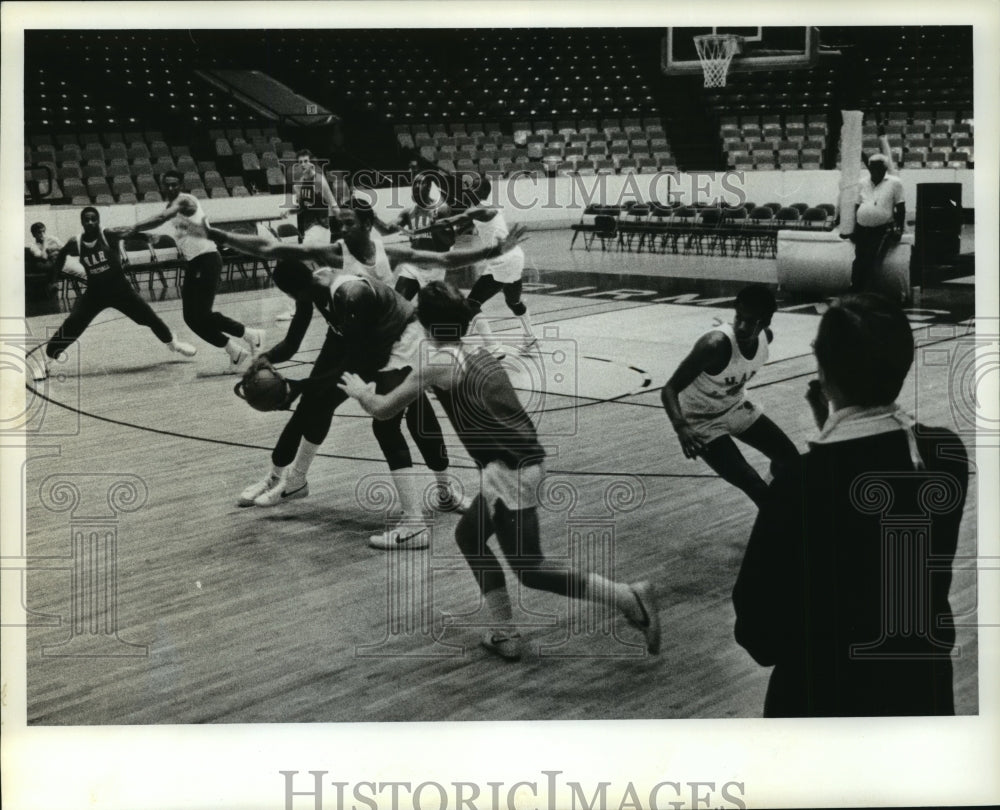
(203, 273)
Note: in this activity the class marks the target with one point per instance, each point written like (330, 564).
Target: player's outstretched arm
(458, 258)
(119, 233)
(385, 406)
(705, 355)
(267, 248)
(475, 215)
(182, 205)
(286, 348)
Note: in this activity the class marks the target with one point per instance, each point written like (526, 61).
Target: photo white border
(790, 763)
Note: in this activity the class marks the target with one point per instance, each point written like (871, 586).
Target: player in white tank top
(712, 395)
(503, 274)
(706, 402)
(378, 268)
(189, 232)
(202, 275)
(359, 254)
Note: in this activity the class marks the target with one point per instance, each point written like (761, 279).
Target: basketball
(263, 389)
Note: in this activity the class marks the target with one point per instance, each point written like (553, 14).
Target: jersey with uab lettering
(711, 395)
(100, 259)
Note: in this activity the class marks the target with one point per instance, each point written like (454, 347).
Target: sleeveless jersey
(713, 394)
(190, 233)
(505, 268)
(486, 413)
(379, 269)
(392, 314)
(311, 209)
(100, 261)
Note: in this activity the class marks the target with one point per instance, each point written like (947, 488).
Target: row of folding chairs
(749, 230)
(157, 256)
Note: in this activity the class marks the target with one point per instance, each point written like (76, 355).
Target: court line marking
(381, 461)
(614, 400)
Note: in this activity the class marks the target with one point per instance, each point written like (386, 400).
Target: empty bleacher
(118, 108)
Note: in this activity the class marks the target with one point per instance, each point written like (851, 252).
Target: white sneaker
(530, 345)
(40, 373)
(284, 316)
(255, 339)
(648, 620)
(237, 355)
(252, 492)
(406, 535)
(505, 643)
(285, 489)
(182, 348)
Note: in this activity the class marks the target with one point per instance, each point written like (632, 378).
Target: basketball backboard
(761, 48)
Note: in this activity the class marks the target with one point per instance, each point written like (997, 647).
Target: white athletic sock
(525, 320)
(498, 606)
(481, 325)
(408, 489)
(303, 458)
(602, 590)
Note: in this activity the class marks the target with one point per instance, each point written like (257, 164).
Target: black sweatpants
(116, 293)
(201, 282)
(314, 412)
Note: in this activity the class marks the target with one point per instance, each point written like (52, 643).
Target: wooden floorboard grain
(229, 615)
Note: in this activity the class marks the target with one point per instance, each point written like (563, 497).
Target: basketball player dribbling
(705, 398)
(202, 274)
(372, 328)
(485, 412)
(107, 286)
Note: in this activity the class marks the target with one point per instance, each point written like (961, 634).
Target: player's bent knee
(518, 308)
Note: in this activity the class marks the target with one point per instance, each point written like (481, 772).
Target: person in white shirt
(203, 274)
(879, 219)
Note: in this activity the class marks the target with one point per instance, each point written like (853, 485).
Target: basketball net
(716, 51)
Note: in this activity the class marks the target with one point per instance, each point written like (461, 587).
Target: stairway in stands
(693, 131)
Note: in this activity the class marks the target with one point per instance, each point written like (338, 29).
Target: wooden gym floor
(218, 614)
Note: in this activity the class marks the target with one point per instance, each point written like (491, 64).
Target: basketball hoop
(716, 51)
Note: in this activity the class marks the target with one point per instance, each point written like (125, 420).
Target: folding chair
(167, 256)
(681, 225)
(705, 234)
(658, 225)
(634, 225)
(585, 226)
(814, 218)
(605, 229)
(137, 257)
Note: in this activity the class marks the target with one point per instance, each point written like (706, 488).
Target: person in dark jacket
(844, 585)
